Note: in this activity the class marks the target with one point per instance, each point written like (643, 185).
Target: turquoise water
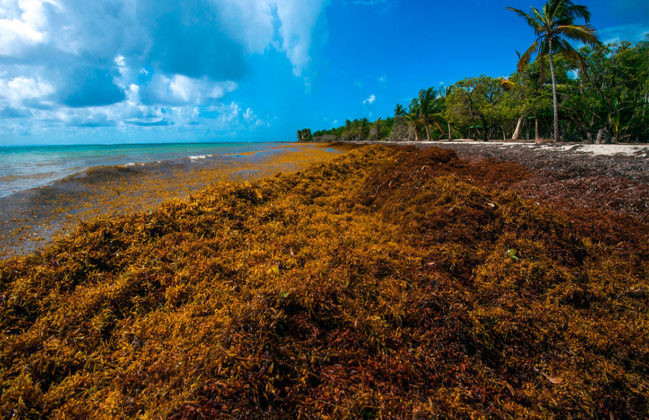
(28, 167)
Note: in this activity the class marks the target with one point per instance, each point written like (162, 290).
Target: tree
(400, 129)
(426, 98)
(443, 94)
(554, 25)
(304, 135)
(474, 105)
(399, 111)
(412, 117)
(431, 108)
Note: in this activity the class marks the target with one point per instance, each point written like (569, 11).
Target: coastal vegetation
(596, 93)
(390, 282)
(553, 25)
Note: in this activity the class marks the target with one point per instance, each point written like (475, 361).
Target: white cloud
(21, 24)
(258, 30)
(179, 89)
(13, 33)
(19, 89)
(633, 32)
(370, 100)
(298, 19)
(251, 118)
(141, 62)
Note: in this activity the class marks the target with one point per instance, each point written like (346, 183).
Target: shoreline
(32, 218)
(119, 156)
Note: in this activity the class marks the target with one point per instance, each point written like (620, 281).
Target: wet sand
(31, 218)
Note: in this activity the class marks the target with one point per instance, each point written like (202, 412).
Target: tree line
(598, 93)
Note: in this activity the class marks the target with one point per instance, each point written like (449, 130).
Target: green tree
(426, 98)
(472, 105)
(304, 135)
(399, 111)
(412, 117)
(554, 25)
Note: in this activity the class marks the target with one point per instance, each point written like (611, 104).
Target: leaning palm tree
(553, 26)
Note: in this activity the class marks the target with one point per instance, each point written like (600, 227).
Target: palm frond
(571, 54)
(582, 33)
(527, 55)
(530, 20)
(541, 18)
(575, 11)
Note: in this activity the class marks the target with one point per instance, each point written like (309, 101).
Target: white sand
(638, 150)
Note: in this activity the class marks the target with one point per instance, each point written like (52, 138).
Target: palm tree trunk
(450, 133)
(427, 132)
(536, 128)
(517, 132)
(554, 95)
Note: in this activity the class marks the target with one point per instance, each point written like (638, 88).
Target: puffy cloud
(60, 60)
(179, 89)
(20, 25)
(298, 18)
(370, 100)
(19, 89)
(251, 118)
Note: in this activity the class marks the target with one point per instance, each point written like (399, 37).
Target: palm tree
(553, 26)
(412, 117)
(399, 111)
(442, 96)
(426, 97)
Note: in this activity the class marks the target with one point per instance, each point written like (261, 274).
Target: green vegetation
(553, 24)
(599, 93)
(391, 282)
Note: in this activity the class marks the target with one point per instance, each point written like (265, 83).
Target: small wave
(132, 164)
(199, 157)
(95, 174)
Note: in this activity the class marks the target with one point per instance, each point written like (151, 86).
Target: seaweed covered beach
(389, 282)
(31, 218)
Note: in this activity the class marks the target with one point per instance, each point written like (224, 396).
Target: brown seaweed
(391, 282)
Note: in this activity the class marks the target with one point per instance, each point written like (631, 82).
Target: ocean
(26, 167)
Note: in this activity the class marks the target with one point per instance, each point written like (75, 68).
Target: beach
(290, 209)
(611, 179)
(30, 218)
(605, 178)
(391, 281)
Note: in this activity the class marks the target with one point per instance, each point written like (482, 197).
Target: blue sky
(130, 71)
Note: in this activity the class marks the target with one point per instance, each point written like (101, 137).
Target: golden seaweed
(391, 282)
